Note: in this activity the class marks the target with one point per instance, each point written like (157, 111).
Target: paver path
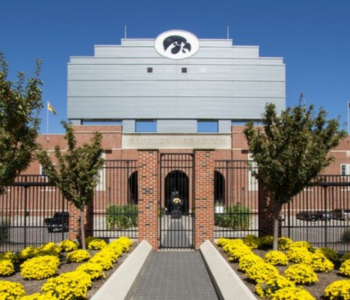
(174, 275)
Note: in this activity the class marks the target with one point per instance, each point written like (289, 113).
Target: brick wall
(148, 197)
(204, 197)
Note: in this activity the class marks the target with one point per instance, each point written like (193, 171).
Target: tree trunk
(82, 229)
(276, 216)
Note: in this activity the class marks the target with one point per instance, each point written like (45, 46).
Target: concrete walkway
(173, 275)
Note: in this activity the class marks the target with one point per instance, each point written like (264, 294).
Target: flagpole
(47, 122)
(348, 118)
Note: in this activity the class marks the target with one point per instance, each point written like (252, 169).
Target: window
(183, 70)
(207, 126)
(149, 70)
(345, 169)
(101, 185)
(253, 184)
(145, 126)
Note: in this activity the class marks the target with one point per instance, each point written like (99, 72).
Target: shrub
(269, 287)
(5, 223)
(249, 260)
(125, 242)
(6, 268)
(88, 240)
(302, 244)
(236, 216)
(11, 290)
(93, 269)
(301, 274)
(50, 247)
(261, 272)
(8, 256)
(292, 293)
(233, 244)
(338, 290)
(236, 254)
(320, 263)
(121, 216)
(115, 247)
(345, 268)
(330, 254)
(276, 257)
(68, 286)
(40, 267)
(266, 241)
(222, 242)
(38, 296)
(28, 252)
(284, 243)
(299, 255)
(345, 257)
(68, 246)
(345, 237)
(97, 244)
(252, 241)
(104, 260)
(78, 256)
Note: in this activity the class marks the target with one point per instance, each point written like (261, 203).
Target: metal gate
(176, 221)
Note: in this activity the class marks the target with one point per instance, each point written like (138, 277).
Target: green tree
(20, 104)
(76, 171)
(291, 150)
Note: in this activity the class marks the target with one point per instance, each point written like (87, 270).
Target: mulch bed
(316, 290)
(34, 286)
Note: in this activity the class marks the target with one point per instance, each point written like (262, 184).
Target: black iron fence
(321, 214)
(236, 200)
(23, 209)
(115, 204)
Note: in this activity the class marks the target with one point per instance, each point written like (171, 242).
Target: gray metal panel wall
(222, 82)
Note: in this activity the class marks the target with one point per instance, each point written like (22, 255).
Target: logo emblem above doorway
(176, 44)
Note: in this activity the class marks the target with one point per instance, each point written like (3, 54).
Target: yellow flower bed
(261, 272)
(40, 267)
(249, 260)
(345, 268)
(97, 244)
(276, 257)
(93, 269)
(284, 243)
(338, 290)
(292, 293)
(11, 290)
(269, 287)
(6, 268)
(320, 263)
(68, 286)
(78, 256)
(301, 274)
(68, 246)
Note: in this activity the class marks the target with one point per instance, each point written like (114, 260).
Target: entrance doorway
(176, 221)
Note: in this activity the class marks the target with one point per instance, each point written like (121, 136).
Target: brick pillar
(204, 197)
(148, 197)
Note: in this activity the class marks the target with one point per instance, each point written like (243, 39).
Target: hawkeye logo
(176, 44)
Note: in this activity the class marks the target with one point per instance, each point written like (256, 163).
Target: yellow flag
(50, 108)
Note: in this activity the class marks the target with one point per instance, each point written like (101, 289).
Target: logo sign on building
(176, 44)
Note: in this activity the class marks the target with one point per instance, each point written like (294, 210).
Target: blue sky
(313, 37)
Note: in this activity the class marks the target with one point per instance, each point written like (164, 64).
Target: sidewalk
(174, 275)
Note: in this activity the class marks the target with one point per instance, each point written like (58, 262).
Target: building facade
(174, 106)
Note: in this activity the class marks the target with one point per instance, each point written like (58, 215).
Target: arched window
(177, 181)
(133, 189)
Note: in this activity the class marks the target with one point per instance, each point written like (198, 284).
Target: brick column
(204, 197)
(148, 197)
